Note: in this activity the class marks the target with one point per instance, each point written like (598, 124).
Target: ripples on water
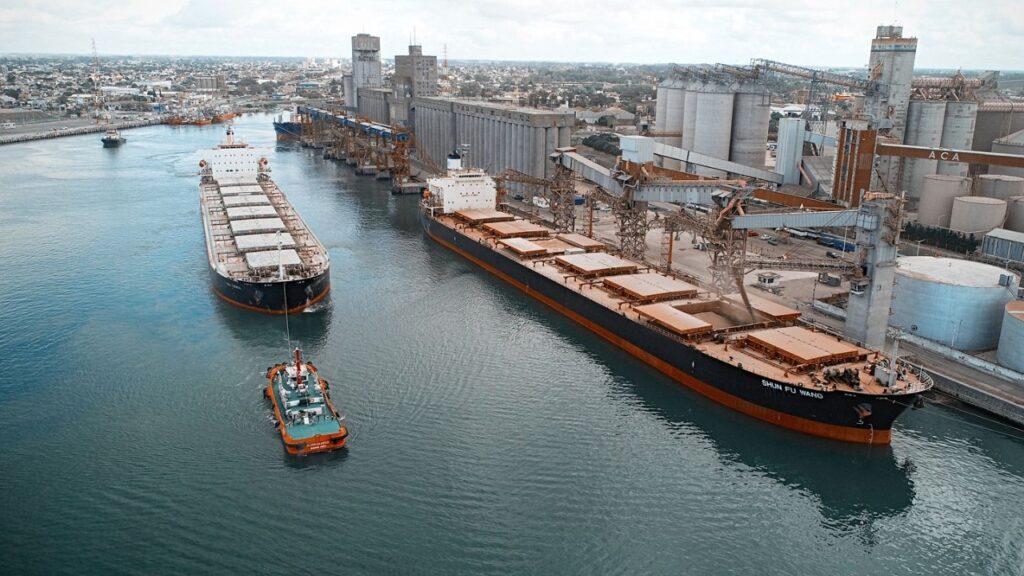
(488, 434)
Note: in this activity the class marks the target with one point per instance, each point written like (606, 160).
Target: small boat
(223, 117)
(201, 122)
(113, 139)
(306, 419)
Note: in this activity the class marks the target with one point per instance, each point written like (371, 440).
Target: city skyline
(697, 31)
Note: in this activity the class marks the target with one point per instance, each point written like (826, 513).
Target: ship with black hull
(770, 366)
(262, 255)
(290, 129)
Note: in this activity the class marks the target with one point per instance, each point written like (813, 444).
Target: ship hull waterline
(271, 298)
(832, 415)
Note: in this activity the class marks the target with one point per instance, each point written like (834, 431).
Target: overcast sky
(985, 34)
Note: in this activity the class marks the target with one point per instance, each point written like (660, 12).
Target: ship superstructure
(262, 254)
(758, 359)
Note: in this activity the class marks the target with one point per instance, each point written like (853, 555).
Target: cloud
(809, 32)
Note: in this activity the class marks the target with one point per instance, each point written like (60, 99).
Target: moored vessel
(112, 139)
(262, 255)
(289, 129)
(305, 417)
(753, 355)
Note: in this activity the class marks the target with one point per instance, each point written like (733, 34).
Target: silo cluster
(719, 117)
(935, 124)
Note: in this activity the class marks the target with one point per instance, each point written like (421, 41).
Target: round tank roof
(950, 271)
(979, 200)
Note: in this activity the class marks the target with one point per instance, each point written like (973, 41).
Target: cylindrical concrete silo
(713, 129)
(1012, 144)
(958, 133)
(937, 194)
(958, 303)
(689, 115)
(977, 215)
(659, 107)
(675, 103)
(1015, 214)
(750, 114)
(1011, 337)
(1000, 186)
(924, 128)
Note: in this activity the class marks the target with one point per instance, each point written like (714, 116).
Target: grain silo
(1011, 144)
(938, 192)
(1010, 353)
(689, 117)
(675, 99)
(713, 127)
(957, 133)
(924, 128)
(1000, 186)
(958, 303)
(1015, 214)
(977, 215)
(751, 112)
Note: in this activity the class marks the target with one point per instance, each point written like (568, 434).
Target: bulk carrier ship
(262, 255)
(768, 366)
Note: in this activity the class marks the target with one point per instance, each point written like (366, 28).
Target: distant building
(415, 74)
(366, 70)
(211, 83)
(1004, 244)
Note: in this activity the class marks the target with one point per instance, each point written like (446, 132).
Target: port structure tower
(374, 149)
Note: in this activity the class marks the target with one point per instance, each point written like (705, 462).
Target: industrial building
(496, 136)
(415, 74)
(366, 69)
(1002, 244)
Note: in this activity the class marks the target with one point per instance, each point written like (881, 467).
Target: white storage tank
(1000, 186)
(713, 127)
(750, 115)
(958, 133)
(958, 303)
(1010, 353)
(675, 101)
(937, 194)
(924, 128)
(689, 116)
(977, 215)
(659, 106)
(1015, 214)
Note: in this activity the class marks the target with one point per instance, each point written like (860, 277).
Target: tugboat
(113, 139)
(305, 416)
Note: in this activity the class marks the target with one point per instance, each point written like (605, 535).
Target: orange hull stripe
(797, 423)
(291, 443)
(318, 298)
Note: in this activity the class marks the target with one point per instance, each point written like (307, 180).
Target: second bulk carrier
(262, 255)
(768, 366)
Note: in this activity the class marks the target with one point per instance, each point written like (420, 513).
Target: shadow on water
(308, 328)
(851, 483)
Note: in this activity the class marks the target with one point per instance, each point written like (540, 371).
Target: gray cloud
(988, 34)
